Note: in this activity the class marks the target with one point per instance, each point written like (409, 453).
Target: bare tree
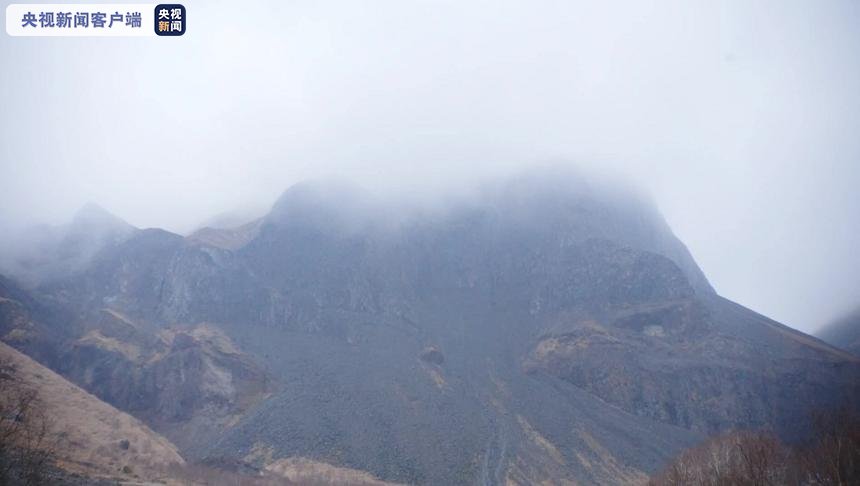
(831, 457)
(26, 453)
(737, 459)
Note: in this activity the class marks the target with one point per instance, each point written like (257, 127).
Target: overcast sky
(740, 117)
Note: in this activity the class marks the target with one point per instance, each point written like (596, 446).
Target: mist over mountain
(738, 116)
(844, 332)
(431, 243)
(547, 327)
(49, 252)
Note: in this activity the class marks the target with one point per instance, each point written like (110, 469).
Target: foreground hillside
(64, 435)
(84, 434)
(547, 330)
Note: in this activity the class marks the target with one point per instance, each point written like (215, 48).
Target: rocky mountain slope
(546, 329)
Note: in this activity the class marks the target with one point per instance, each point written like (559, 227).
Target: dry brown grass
(539, 440)
(97, 339)
(301, 470)
(89, 436)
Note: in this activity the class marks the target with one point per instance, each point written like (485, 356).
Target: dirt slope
(90, 436)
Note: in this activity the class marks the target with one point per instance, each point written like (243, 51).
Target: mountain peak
(550, 203)
(94, 215)
(331, 204)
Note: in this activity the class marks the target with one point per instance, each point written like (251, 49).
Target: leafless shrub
(833, 457)
(830, 458)
(737, 458)
(26, 451)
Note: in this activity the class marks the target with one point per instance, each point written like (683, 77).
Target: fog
(739, 117)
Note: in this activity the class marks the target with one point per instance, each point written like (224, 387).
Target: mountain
(44, 252)
(844, 333)
(547, 328)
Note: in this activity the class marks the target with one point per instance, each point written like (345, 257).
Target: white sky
(741, 117)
